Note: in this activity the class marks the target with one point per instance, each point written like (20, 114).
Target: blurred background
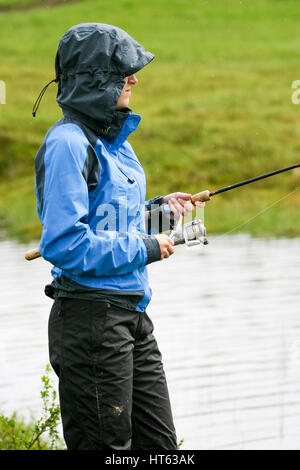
(218, 106)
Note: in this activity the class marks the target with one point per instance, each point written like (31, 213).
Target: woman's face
(124, 98)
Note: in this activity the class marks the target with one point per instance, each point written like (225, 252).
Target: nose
(132, 80)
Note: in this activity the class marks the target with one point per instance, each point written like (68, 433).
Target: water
(227, 321)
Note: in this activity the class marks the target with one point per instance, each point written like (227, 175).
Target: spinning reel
(191, 233)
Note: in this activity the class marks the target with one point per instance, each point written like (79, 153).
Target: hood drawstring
(39, 99)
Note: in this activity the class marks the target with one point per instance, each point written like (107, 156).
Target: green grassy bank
(215, 103)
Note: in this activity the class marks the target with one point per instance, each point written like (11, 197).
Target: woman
(90, 189)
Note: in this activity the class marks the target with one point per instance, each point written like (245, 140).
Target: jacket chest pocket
(129, 184)
(130, 178)
(131, 195)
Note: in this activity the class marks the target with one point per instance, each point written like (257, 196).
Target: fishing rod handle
(35, 253)
(202, 196)
(32, 254)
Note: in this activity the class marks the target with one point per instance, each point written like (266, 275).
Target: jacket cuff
(157, 201)
(153, 249)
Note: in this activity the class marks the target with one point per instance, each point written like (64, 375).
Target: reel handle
(202, 196)
(32, 254)
(181, 241)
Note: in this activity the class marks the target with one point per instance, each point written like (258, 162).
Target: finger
(188, 207)
(173, 207)
(179, 208)
(171, 249)
(182, 202)
(173, 210)
(199, 203)
(185, 196)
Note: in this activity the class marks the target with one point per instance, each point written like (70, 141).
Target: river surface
(227, 321)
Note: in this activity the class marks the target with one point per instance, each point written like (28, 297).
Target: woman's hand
(166, 245)
(180, 203)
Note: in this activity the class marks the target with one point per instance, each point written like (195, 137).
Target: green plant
(16, 435)
(13, 434)
(50, 415)
(180, 443)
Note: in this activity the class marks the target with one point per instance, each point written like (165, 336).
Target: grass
(11, 4)
(17, 5)
(215, 103)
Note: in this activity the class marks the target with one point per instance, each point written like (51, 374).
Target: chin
(123, 105)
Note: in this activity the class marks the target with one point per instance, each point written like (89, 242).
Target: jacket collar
(123, 123)
(130, 125)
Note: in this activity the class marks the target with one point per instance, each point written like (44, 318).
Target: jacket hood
(91, 63)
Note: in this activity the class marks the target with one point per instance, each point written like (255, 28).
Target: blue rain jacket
(90, 185)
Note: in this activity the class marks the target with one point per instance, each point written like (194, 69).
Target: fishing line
(262, 211)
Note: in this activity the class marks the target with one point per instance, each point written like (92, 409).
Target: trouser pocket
(55, 335)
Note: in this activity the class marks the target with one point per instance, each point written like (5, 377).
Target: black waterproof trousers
(112, 386)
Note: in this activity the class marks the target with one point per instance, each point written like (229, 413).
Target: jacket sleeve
(67, 240)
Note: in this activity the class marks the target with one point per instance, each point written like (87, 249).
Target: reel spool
(191, 233)
(194, 233)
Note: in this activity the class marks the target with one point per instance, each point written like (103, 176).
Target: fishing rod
(194, 232)
(204, 196)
